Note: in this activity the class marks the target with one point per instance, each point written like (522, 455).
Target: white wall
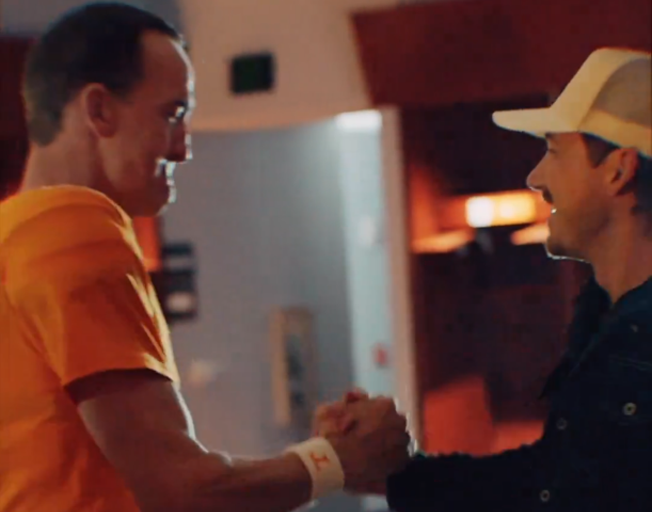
(361, 175)
(264, 212)
(318, 71)
(377, 256)
(377, 260)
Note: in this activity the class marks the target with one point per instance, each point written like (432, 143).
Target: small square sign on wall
(253, 73)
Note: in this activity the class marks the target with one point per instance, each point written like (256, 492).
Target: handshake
(370, 438)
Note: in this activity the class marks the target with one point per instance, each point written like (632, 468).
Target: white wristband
(322, 463)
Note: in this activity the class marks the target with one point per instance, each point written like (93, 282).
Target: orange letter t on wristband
(322, 463)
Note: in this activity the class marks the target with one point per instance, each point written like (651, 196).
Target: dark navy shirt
(596, 451)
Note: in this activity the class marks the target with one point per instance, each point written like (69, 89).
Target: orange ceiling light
(453, 221)
(501, 209)
(508, 208)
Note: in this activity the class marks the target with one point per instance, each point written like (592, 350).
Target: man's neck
(624, 263)
(56, 165)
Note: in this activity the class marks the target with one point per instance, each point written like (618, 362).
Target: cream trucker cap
(609, 97)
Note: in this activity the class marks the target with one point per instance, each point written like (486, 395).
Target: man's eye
(177, 115)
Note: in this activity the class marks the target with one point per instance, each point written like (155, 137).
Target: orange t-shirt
(75, 299)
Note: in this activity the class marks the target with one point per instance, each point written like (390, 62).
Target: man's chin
(154, 209)
(559, 251)
(554, 249)
(555, 254)
(168, 198)
(172, 195)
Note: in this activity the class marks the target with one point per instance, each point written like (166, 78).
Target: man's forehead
(167, 64)
(160, 52)
(560, 138)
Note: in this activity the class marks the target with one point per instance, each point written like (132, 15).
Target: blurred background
(351, 216)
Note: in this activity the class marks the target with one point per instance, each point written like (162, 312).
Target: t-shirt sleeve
(89, 304)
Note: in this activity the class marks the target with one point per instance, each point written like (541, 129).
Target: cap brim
(537, 122)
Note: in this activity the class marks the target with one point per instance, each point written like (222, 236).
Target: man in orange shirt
(91, 415)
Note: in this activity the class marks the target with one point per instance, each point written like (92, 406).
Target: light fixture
(503, 209)
(363, 121)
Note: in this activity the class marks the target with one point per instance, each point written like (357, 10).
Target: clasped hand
(370, 437)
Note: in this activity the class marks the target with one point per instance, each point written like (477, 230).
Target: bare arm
(141, 424)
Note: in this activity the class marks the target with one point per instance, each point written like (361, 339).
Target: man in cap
(596, 450)
(91, 415)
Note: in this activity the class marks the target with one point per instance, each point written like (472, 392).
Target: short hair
(96, 43)
(599, 149)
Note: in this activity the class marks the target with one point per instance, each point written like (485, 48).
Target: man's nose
(181, 149)
(534, 180)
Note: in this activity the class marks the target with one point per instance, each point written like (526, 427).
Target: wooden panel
(457, 150)
(12, 57)
(446, 52)
(13, 152)
(13, 132)
(499, 316)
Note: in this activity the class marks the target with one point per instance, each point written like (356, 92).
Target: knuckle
(387, 405)
(321, 412)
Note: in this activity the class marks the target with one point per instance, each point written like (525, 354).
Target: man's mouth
(166, 168)
(547, 197)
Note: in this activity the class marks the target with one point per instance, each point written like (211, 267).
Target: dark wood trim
(479, 50)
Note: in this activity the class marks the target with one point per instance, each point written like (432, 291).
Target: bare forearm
(274, 485)
(140, 423)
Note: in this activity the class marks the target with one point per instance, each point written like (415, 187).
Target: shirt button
(629, 409)
(545, 496)
(562, 424)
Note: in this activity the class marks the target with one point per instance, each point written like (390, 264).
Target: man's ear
(622, 166)
(99, 109)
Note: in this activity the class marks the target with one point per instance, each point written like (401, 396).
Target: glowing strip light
(535, 234)
(364, 121)
(501, 209)
(444, 242)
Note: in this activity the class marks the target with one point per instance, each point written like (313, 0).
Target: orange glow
(457, 418)
(535, 234)
(446, 224)
(444, 242)
(500, 209)
(425, 201)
